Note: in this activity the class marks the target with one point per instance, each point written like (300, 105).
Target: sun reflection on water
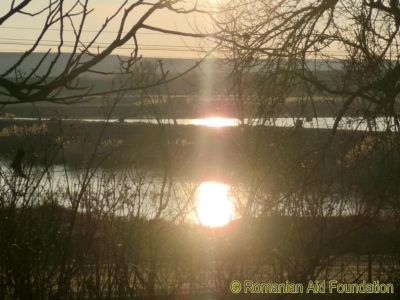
(215, 122)
(214, 207)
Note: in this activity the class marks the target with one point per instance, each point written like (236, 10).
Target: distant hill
(209, 83)
(110, 63)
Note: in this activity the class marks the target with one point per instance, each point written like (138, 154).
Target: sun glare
(214, 207)
(216, 122)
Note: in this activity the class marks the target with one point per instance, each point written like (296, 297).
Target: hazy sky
(20, 31)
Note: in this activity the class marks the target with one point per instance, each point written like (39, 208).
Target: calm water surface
(346, 123)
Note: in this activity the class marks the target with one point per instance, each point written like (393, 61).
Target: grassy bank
(229, 152)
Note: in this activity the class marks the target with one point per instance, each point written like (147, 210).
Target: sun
(214, 207)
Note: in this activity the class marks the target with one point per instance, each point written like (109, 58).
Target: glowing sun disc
(214, 207)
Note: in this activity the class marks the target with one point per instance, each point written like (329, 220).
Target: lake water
(153, 182)
(136, 192)
(346, 123)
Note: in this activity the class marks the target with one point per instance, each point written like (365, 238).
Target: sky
(18, 33)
